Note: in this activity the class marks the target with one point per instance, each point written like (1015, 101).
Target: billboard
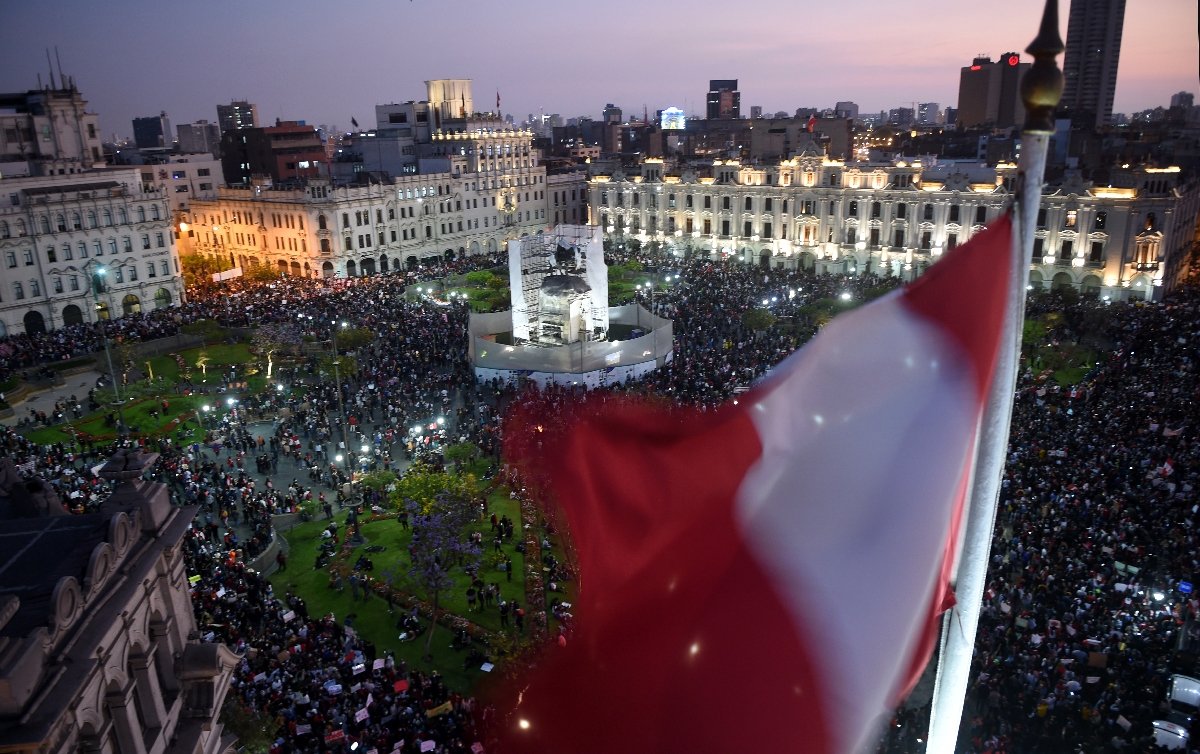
(673, 119)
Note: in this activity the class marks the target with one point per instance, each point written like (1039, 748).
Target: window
(1038, 247)
(82, 249)
(203, 172)
(953, 213)
(688, 201)
(127, 244)
(91, 218)
(1070, 218)
(349, 243)
(345, 219)
(107, 218)
(10, 258)
(927, 212)
(876, 210)
(150, 270)
(1065, 251)
(164, 268)
(159, 241)
(899, 237)
(35, 289)
(51, 255)
(926, 239)
(747, 228)
(18, 290)
(725, 204)
(853, 211)
(112, 246)
(1041, 218)
(28, 257)
(118, 274)
(1101, 220)
(66, 252)
(321, 222)
(73, 281)
(1097, 252)
(749, 204)
(851, 235)
(980, 215)
(724, 227)
(766, 230)
(768, 205)
(141, 214)
(951, 240)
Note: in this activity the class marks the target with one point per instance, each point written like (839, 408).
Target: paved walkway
(44, 400)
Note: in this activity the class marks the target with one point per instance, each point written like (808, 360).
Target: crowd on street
(1086, 609)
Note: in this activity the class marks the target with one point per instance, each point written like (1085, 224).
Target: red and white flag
(812, 123)
(768, 577)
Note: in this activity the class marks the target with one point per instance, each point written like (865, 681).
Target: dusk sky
(325, 62)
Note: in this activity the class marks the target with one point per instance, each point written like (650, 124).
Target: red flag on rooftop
(768, 576)
(812, 123)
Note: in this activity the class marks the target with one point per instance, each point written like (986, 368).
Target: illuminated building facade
(57, 232)
(897, 218)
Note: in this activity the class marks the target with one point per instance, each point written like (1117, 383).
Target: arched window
(321, 222)
(141, 214)
(91, 218)
(76, 221)
(154, 212)
(107, 218)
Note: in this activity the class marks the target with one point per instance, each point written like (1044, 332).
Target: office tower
(928, 113)
(846, 109)
(724, 99)
(237, 114)
(200, 136)
(988, 92)
(1090, 64)
(152, 131)
(1182, 99)
(611, 114)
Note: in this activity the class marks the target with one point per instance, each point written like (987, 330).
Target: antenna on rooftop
(51, 67)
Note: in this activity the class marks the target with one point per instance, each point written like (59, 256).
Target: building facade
(1094, 30)
(988, 92)
(237, 114)
(479, 189)
(97, 634)
(48, 132)
(723, 100)
(200, 136)
(59, 233)
(898, 218)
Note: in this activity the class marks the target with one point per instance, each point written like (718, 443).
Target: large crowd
(1083, 617)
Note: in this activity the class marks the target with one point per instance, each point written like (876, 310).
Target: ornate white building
(97, 635)
(482, 187)
(60, 232)
(897, 218)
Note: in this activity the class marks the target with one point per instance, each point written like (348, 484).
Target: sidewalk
(43, 400)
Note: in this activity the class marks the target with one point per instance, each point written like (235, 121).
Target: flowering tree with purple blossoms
(440, 544)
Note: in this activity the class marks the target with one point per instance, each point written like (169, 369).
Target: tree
(260, 274)
(758, 319)
(423, 484)
(354, 338)
(270, 339)
(208, 330)
(255, 731)
(198, 269)
(439, 545)
(479, 278)
(460, 453)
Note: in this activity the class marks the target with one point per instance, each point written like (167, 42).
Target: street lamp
(95, 280)
(337, 378)
(204, 416)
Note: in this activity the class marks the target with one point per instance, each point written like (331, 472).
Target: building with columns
(478, 186)
(1121, 241)
(60, 232)
(98, 647)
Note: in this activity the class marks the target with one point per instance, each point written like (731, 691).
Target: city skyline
(302, 61)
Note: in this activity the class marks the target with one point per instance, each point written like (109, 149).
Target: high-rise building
(152, 131)
(846, 109)
(611, 113)
(988, 93)
(928, 114)
(1182, 99)
(237, 114)
(1090, 64)
(755, 111)
(200, 136)
(287, 151)
(724, 99)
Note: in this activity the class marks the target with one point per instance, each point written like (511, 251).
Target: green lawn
(373, 620)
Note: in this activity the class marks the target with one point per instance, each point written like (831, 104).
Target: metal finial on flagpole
(1042, 85)
(1041, 88)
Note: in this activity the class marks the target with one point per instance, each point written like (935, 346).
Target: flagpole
(1041, 88)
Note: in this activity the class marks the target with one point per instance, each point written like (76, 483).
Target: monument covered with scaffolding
(558, 329)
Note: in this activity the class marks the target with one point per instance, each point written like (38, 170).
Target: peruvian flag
(769, 576)
(812, 123)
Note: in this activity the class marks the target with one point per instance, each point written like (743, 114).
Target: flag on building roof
(812, 123)
(769, 576)
(353, 122)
